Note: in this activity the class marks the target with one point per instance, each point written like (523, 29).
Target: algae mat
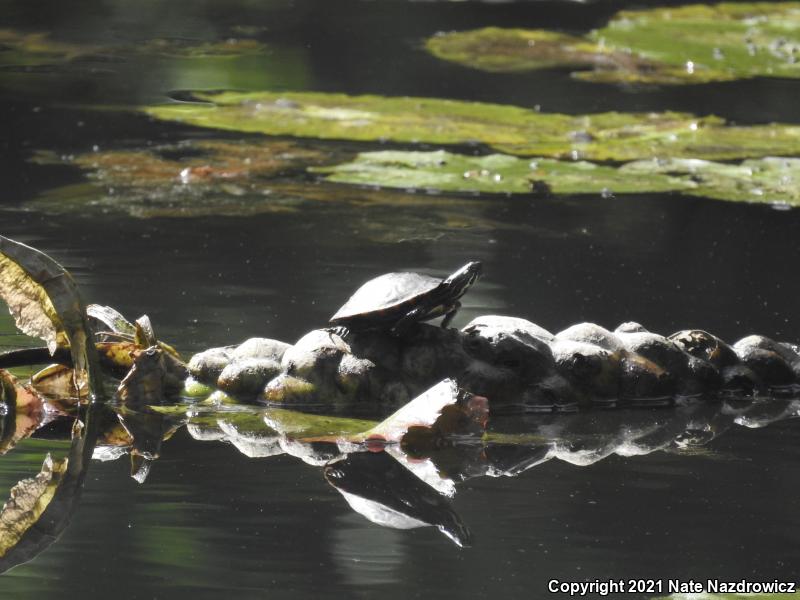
(610, 136)
(769, 180)
(673, 45)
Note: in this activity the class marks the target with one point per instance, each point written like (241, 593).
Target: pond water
(211, 522)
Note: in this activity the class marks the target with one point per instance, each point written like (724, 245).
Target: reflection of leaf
(29, 498)
(755, 180)
(687, 44)
(40, 508)
(23, 411)
(511, 129)
(45, 302)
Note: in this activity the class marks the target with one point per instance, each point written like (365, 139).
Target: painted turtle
(396, 301)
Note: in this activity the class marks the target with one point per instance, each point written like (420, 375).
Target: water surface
(210, 522)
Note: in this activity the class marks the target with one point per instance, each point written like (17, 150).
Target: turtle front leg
(450, 313)
(413, 316)
(339, 330)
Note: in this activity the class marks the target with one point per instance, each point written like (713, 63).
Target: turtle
(396, 301)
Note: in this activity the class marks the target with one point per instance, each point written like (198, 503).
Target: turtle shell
(386, 297)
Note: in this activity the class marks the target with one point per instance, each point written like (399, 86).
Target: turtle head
(460, 281)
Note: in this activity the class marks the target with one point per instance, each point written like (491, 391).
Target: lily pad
(501, 50)
(712, 42)
(495, 173)
(673, 45)
(771, 179)
(510, 129)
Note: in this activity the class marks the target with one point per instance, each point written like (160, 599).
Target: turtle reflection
(401, 472)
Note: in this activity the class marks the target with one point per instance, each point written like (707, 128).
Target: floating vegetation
(218, 177)
(773, 180)
(510, 129)
(38, 48)
(496, 173)
(674, 45)
(193, 177)
(190, 164)
(147, 183)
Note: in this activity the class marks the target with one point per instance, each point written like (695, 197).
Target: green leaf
(508, 50)
(711, 42)
(673, 45)
(495, 173)
(509, 129)
(45, 303)
(770, 179)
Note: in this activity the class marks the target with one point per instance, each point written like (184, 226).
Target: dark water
(210, 522)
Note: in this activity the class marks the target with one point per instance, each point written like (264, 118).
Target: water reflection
(403, 480)
(41, 508)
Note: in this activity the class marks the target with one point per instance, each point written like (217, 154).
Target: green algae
(509, 129)
(769, 180)
(38, 47)
(218, 177)
(673, 45)
(495, 173)
(503, 50)
(772, 180)
(192, 178)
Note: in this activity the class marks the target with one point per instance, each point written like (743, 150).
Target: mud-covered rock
(596, 370)
(659, 350)
(554, 392)
(490, 325)
(315, 357)
(378, 347)
(767, 370)
(264, 348)
(705, 346)
(247, 376)
(630, 327)
(430, 355)
(769, 366)
(740, 379)
(643, 379)
(358, 378)
(515, 345)
(289, 389)
(701, 378)
(589, 333)
(207, 366)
